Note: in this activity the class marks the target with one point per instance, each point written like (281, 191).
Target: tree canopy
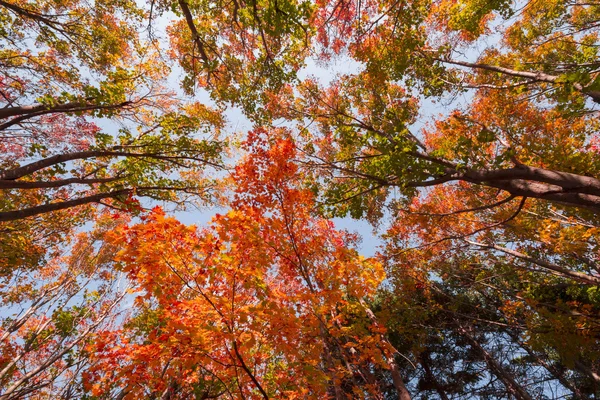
(466, 132)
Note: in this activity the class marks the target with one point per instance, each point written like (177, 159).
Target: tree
(92, 65)
(86, 119)
(268, 302)
(501, 187)
(52, 313)
(364, 120)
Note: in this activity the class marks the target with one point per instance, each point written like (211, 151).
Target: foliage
(466, 130)
(266, 302)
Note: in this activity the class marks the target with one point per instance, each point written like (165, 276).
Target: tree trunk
(431, 377)
(397, 379)
(513, 387)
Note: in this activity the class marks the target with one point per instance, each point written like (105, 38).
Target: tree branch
(46, 208)
(27, 169)
(565, 273)
(536, 76)
(189, 19)
(12, 184)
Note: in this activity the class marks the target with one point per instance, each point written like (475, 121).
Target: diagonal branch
(29, 14)
(27, 169)
(39, 109)
(564, 272)
(26, 112)
(248, 372)
(46, 208)
(94, 198)
(532, 75)
(13, 184)
(189, 19)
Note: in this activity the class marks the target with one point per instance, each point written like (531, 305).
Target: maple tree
(367, 118)
(267, 302)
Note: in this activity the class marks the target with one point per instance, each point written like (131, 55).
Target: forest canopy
(466, 132)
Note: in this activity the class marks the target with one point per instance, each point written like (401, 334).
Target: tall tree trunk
(334, 389)
(513, 387)
(425, 360)
(397, 379)
(580, 366)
